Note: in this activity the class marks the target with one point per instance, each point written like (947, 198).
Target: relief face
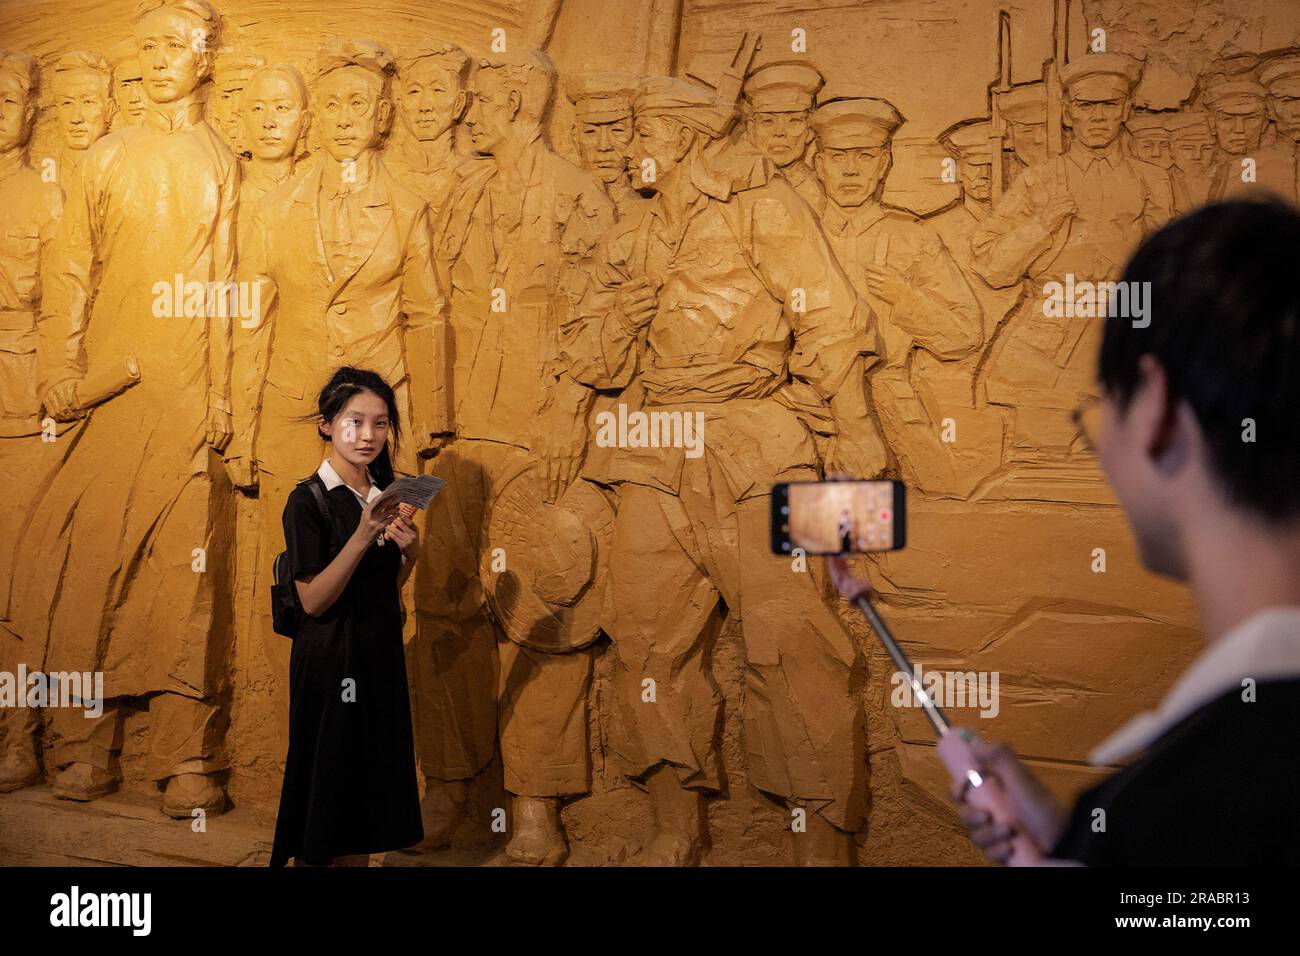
(1097, 107)
(84, 106)
(429, 99)
(351, 111)
(274, 116)
(172, 68)
(128, 90)
(15, 112)
(603, 147)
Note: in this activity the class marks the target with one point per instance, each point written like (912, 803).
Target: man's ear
(1155, 410)
(384, 114)
(685, 140)
(459, 107)
(514, 103)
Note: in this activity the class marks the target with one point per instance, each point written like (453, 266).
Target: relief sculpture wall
(858, 237)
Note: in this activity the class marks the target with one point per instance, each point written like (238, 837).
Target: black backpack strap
(319, 495)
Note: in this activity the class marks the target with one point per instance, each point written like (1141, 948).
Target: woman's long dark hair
(334, 397)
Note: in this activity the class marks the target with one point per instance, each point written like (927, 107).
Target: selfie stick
(955, 748)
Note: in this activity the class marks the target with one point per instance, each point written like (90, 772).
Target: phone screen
(837, 517)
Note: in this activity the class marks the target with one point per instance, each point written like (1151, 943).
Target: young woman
(349, 780)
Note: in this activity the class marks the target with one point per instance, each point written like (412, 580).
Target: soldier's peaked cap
(602, 97)
(852, 122)
(1024, 104)
(785, 86)
(1235, 91)
(1282, 76)
(969, 138)
(1102, 64)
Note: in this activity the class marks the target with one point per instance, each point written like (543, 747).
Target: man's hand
(60, 400)
(242, 472)
(220, 427)
(845, 581)
(637, 303)
(1058, 209)
(1039, 815)
(559, 451)
(886, 283)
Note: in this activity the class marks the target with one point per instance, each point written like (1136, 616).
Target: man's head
(1151, 139)
(1097, 91)
(1282, 80)
(674, 119)
(602, 122)
(128, 90)
(1239, 113)
(274, 112)
(854, 135)
(18, 81)
(968, 144)
(431, 90)
(1024, 109)
(779, 100)
(230, 75)
(1191, 142)
(82, 89)
(1198, 408)
(174, 40)
(351, 100)
(510, 99)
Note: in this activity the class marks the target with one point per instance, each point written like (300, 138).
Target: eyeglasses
(1087, 420)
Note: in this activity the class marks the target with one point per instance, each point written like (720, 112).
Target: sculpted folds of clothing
(722, 335)
(956, 228)
(154, 201)
(1119, 199)
(151, 204)
(939, 312)
(434, 182)
(805, 182)
(31, 209)
(380, 306)
(1047, 361)
(724, 321)
(530, 238)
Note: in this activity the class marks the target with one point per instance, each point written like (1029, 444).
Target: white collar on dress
(1265, 646)
(332, 481)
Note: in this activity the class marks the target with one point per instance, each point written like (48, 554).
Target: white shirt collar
(1266, 646)
(332, 481)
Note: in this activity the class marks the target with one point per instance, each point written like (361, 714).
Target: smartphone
(838, 517)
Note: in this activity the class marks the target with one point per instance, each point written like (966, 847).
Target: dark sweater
(1221, 787)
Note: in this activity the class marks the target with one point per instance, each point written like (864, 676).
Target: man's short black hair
(1224, 310)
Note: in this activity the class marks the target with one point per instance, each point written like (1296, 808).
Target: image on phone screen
(837, 517)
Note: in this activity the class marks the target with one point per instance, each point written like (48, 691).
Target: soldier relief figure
(422, 251)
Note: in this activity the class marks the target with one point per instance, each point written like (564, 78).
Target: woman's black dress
(349, 780)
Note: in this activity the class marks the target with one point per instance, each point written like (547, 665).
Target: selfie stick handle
(955, 748)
